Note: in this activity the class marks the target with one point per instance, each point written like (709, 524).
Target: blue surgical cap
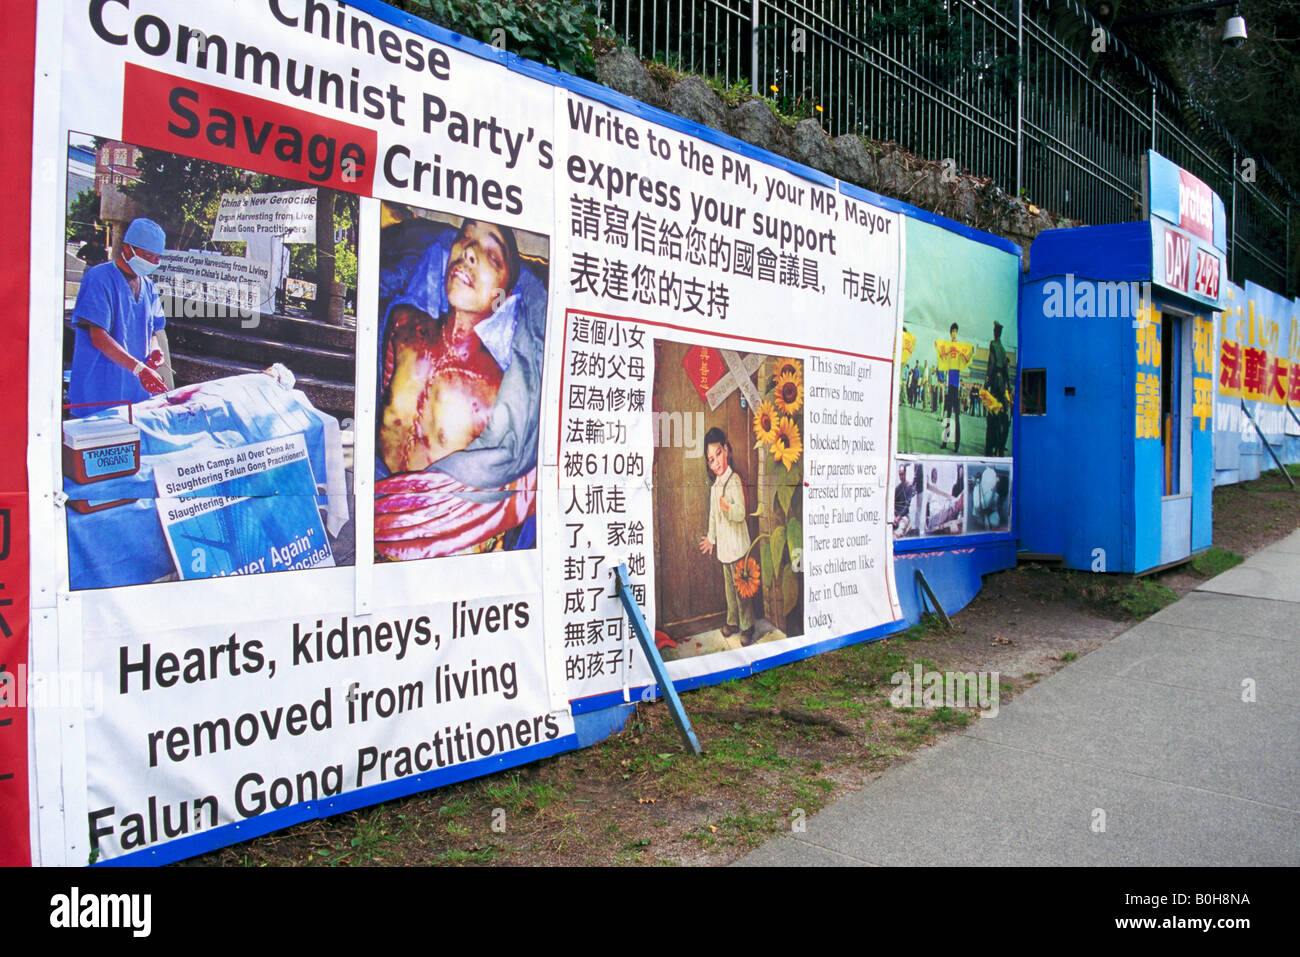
(147, 235)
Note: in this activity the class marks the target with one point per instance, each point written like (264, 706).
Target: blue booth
(1116, 450)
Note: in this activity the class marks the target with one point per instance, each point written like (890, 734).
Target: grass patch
(1111, 594)
(925, 724)
(482, 855)
(375, 837)
(1142, 598)
(811, 793)
(751, 829)
(929, 627)
(950, 717)
(454, 808)
(1215, 561)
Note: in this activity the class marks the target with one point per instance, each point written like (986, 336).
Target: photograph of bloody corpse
(460, 376)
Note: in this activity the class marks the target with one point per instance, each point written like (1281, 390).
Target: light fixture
(1234, 31)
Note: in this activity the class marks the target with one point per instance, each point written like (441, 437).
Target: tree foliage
(84, 224)
(559, 33)
(182, 194)
(1252, 90)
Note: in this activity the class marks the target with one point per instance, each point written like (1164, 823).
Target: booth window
(1033, 392)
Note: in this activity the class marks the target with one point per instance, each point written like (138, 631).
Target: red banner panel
(19, 46)
(209, 123)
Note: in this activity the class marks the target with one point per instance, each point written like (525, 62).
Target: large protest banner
(1258, 392)
(234, 579)
(446, 337)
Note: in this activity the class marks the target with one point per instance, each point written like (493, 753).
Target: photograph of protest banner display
(944, 503)
(988, 497)
(909, 488)
(958, 349)
(209, 317)
(462, 306)
(728, 497)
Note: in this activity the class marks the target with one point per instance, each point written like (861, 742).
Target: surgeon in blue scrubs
(116, 355)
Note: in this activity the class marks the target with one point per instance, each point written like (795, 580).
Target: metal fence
(1016, 90)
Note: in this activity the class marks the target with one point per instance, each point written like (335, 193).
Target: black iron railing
(1036, 96)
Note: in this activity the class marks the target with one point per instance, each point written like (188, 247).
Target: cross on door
(739, 375)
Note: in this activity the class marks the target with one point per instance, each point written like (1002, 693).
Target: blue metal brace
(657, 666)
(1268, 448)
(938, 608)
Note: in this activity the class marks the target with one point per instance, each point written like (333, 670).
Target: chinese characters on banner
(1147, 387)
(725, 408)
(1259, 335)
(1203, 371)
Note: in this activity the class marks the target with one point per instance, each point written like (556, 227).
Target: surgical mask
(140, 266)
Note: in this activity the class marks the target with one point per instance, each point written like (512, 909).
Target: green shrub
(559, 33)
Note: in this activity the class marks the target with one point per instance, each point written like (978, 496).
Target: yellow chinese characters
(1202, 337)
(1148, 344)
(1147, 424)
(1146, 404)
(1203, 401)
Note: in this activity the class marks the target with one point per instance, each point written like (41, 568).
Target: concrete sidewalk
(1150, 729)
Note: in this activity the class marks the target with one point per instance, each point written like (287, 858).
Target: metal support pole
(1268, 448)
(929, 593)
(1020, 97)
(657, 667)
(1232, 240)
(1286, 263)
(753, 48)
(1153, 118)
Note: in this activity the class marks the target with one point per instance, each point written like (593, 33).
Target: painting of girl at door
(728, 498)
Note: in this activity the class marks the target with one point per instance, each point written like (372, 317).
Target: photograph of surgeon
(459, 389)
(118, 316)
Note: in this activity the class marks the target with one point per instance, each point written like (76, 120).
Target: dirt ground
(777, 746)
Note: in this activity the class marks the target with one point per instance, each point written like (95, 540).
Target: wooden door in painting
(689, 596)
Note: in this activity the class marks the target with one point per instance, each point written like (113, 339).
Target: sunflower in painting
(788, 393)
(765, 419)
(787, 446)
(788, 367)
(745, 575)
